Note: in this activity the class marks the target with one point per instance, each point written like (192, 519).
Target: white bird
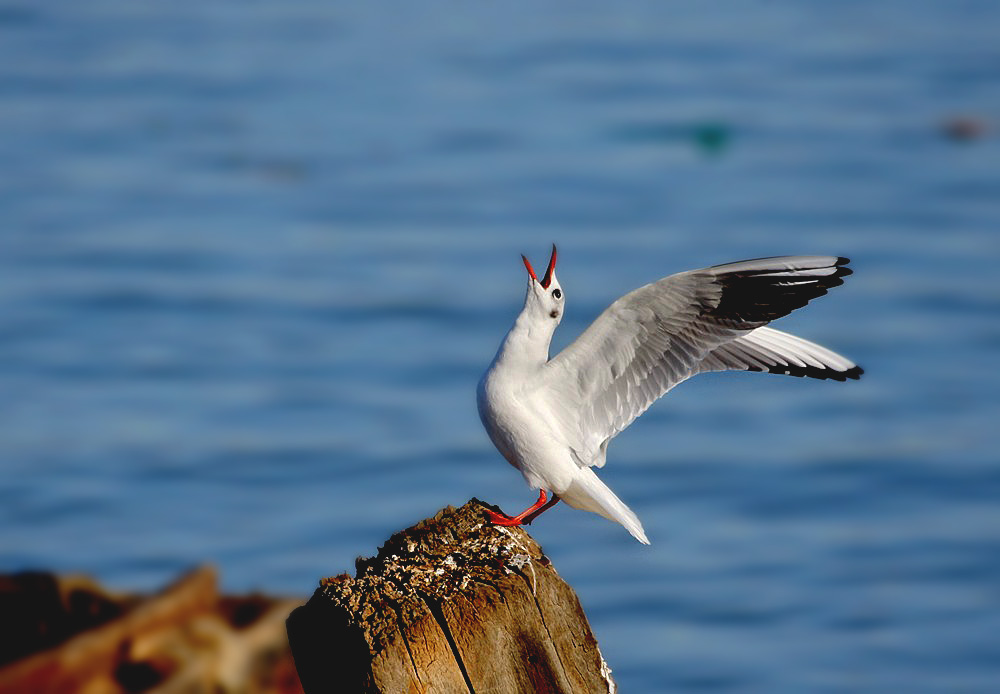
(552, 419)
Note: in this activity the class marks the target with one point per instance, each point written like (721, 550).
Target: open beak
(547, 279)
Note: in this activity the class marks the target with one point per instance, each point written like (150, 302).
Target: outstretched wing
(653, 338)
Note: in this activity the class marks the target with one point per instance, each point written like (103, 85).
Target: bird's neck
(526, 344)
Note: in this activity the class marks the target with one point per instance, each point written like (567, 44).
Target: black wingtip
(822, 374)
(755, 293)
(842, 269)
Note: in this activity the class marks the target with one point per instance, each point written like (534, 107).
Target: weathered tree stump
(187, 639)
(453, 604)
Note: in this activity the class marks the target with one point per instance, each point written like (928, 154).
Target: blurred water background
(255, 256)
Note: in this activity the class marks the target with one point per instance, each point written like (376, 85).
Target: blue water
(254, 257)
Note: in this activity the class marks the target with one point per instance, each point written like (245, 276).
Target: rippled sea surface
(255, 256)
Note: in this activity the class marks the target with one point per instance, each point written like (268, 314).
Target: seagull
(553, 419)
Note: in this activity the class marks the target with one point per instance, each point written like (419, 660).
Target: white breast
(523, 429)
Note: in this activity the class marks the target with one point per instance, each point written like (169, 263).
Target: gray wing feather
(657, 336)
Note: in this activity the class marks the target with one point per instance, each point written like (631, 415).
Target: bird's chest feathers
(517, 416)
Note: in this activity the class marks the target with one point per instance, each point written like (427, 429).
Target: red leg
(535, 514)
(527, 515)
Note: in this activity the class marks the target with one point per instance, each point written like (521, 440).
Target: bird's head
(545, 297)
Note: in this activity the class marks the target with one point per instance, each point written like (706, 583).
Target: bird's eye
(557, 293)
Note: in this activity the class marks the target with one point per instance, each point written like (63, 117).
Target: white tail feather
(588, 493)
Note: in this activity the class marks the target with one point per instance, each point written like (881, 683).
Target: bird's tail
(589, 493)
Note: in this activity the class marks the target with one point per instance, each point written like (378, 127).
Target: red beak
(527, 264)
(547, 279)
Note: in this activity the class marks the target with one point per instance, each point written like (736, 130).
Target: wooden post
(453, 604)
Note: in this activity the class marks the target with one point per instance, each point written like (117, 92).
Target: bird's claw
(502, 519)
(527, 515)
